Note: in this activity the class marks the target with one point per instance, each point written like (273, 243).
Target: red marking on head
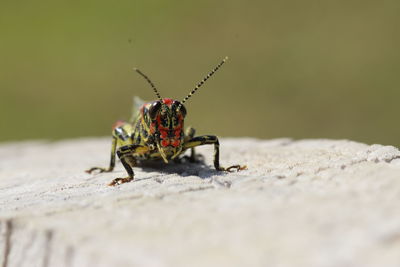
(164, 134)
(168, 101)
(118, 124)
(162, 128)
(158, 119)
(176, 143)
(164, 143)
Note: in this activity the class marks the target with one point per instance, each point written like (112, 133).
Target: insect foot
(118, 181)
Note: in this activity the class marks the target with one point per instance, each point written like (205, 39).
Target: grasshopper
(156, 133)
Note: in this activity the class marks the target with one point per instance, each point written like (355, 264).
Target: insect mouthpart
(168, 152)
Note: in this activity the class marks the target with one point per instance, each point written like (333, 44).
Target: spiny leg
(212, 139)
(112, 160)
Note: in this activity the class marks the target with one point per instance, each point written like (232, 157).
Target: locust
(156, 133)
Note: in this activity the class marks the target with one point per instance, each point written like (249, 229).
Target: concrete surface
(300, 203)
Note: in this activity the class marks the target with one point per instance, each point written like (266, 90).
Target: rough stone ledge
(300, 203)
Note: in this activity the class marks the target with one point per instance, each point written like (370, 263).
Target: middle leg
(190, 132)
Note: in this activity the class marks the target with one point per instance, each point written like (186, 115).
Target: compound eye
(182, 109)
(154, 108)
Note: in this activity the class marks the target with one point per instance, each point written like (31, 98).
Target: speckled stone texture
(300, 203)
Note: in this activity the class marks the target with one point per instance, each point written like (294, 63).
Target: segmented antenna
(203, 81)
(151, 84)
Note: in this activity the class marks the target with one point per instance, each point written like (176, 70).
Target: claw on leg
(118, 181)
(98, 169)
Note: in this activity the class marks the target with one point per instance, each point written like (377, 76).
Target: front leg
(209, 140)
(125, 154)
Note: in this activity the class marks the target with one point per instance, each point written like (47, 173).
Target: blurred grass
(302, 69)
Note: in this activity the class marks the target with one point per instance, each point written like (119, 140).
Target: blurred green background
(302, 69)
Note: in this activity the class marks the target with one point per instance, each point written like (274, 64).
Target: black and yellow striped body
(142, 140)
(156, 133)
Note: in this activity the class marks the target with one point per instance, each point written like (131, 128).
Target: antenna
(151, 84)
(203, 81)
